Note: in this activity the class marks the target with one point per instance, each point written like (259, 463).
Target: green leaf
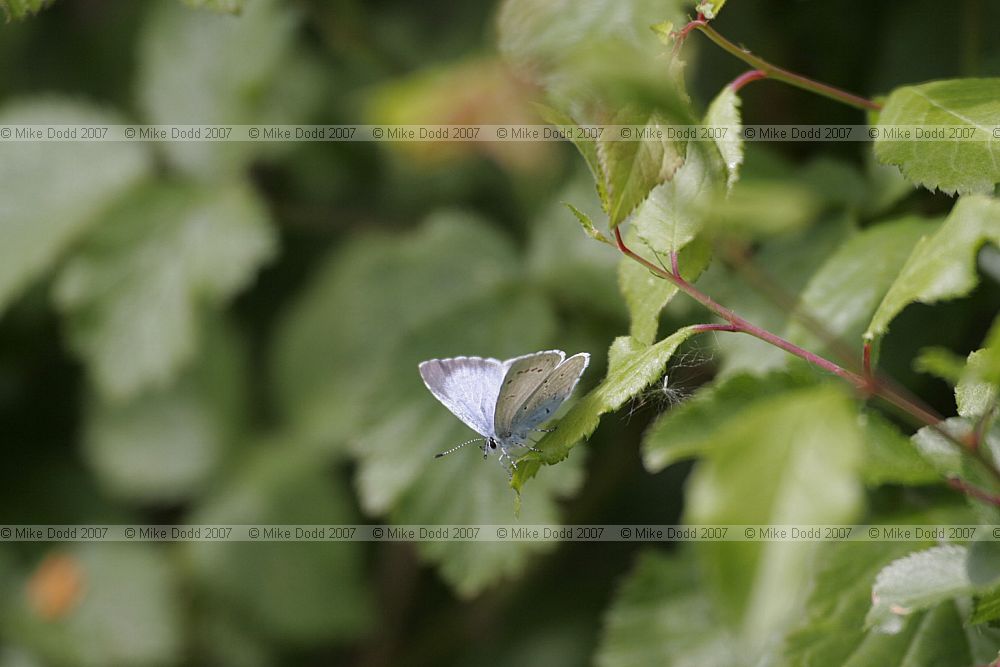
(128, 611)
(164, 444)
(710, 8)
(300, 593)
(941, 266)
(987, 608)
(662, 616)
(224, 6)
(890, 456)
(18, 9)
(197, 68)
(132, 293)
(951, 165)
(917, 582)
(674, 212)
(847, 288)
(646, 294)
(631, 368)
(792, 459)
(831, 631)
(724, 120)
(52, 192)
(941, 363)
(973, 396)
(690, 429)
(632, 169)
(588, 226)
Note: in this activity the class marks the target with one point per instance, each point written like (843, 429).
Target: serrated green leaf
(300, 593)
(890, 456)
(197, 68)
(763, 468)
(689, 429)
(18, 9)
(646, 294)
(724, 120)
(831, 631)
(588, 225)
(951, 165)
(975, 397)
(631, 368)
(128, 611)
(164, 444)
(52, 192)
(662, 616)
(942, 265)
(133, 291)
(847, 288)
(674, 212)
(225, 6)
(917, 582)
(632, 169)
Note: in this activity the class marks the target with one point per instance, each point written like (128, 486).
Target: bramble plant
(212, 333)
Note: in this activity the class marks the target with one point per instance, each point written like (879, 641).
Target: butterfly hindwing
(554, 389)
(524, 375)
(468, 386)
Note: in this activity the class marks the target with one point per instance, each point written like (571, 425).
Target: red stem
(973, 491)
(738, 324)
(745, 78)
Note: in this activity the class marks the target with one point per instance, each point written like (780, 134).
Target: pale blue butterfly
(504, 401)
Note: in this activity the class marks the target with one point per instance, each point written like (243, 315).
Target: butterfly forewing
(555, 388)
(468, 386)
(524, 375)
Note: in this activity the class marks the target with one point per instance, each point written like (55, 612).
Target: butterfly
(504, 401)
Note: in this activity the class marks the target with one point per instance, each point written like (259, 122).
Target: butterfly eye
(493, 443)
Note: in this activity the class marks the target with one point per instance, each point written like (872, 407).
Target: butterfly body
(504, 401)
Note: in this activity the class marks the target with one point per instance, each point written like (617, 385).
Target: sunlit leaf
(843, 293)
(942, 265)
(917, 582)
(724, 121)
(226, 6)
(953, 165)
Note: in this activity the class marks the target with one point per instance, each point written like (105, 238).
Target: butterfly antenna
(458, 447)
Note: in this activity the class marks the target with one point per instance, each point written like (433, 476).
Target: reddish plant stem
(973, 491)
(866, 359)
(775, 72)
(745, 78)
(740, 325)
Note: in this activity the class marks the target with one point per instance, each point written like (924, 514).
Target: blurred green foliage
(213, 333)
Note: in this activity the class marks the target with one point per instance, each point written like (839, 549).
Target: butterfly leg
(545, 430)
